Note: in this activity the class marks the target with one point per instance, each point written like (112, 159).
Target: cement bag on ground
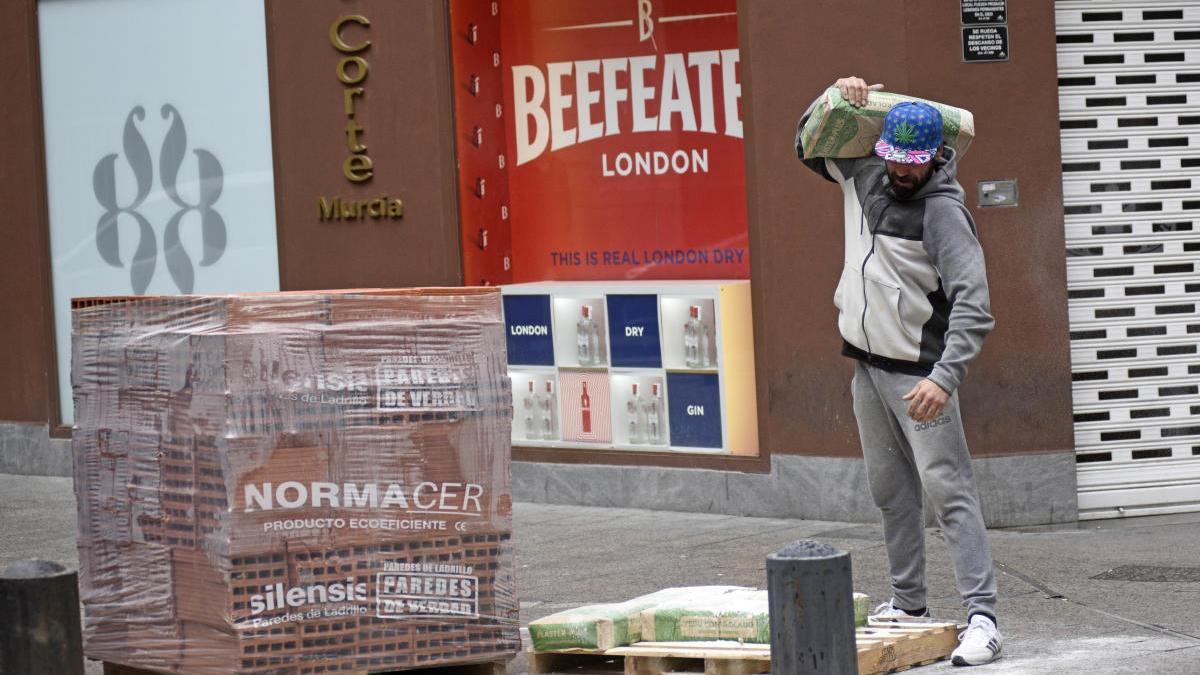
(608, 625)
(862, 605)
(742, 614)
(838, 129)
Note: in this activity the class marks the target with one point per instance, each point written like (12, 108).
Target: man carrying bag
(913, 312)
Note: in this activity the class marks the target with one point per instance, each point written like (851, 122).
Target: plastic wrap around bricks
(286, 482)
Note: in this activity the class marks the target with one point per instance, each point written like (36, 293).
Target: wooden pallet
(657, 658)
(491, 668)
(893, 646)
(883, 647)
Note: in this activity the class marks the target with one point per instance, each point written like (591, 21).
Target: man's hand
(928, 400)
(854, 90)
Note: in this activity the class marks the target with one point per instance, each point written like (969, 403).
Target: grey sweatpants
(902, 456)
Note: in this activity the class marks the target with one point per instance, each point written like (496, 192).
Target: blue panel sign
(528, 330)
(694, 403)
(633, 331)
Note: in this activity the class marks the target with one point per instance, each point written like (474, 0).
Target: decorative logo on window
(145, 259)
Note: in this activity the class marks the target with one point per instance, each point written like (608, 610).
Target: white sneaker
(889, 610)
(978, 644)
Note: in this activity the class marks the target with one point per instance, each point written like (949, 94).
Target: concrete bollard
(812, 610)
(40, 629)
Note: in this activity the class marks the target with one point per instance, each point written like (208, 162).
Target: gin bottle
(587, 336)
(585, 410)
(529, 404)
(703, 342)
(654, 406)
(637, 417)
(691, 338)
(546, 412)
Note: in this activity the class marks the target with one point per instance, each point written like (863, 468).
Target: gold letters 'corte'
(352, 72)
(357, 167)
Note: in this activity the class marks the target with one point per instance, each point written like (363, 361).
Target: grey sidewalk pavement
(1055, 616)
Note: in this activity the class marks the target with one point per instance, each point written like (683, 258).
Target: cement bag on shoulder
(838, 129)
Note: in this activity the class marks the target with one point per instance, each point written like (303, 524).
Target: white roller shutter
(1129, 107)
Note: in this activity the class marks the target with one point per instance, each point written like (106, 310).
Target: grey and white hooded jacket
(913, 296)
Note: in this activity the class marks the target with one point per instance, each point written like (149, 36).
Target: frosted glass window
(158, 151)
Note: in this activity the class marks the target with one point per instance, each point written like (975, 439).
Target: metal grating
(1129, 111)
(1150, 573)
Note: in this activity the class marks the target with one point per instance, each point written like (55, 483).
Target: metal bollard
(40, 630)
(812, 610)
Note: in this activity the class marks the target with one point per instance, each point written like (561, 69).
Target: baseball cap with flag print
(912, 133)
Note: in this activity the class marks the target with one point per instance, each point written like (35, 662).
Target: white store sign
(158, 152)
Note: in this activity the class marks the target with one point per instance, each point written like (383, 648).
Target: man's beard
(908, 189)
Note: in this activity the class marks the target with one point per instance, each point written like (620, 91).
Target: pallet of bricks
(294, 482)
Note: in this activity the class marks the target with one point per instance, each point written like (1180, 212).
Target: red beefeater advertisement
(624, 143)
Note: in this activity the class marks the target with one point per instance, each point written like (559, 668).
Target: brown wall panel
(27, 338)
(790, 52)
(407, 121)
(1017, 397)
